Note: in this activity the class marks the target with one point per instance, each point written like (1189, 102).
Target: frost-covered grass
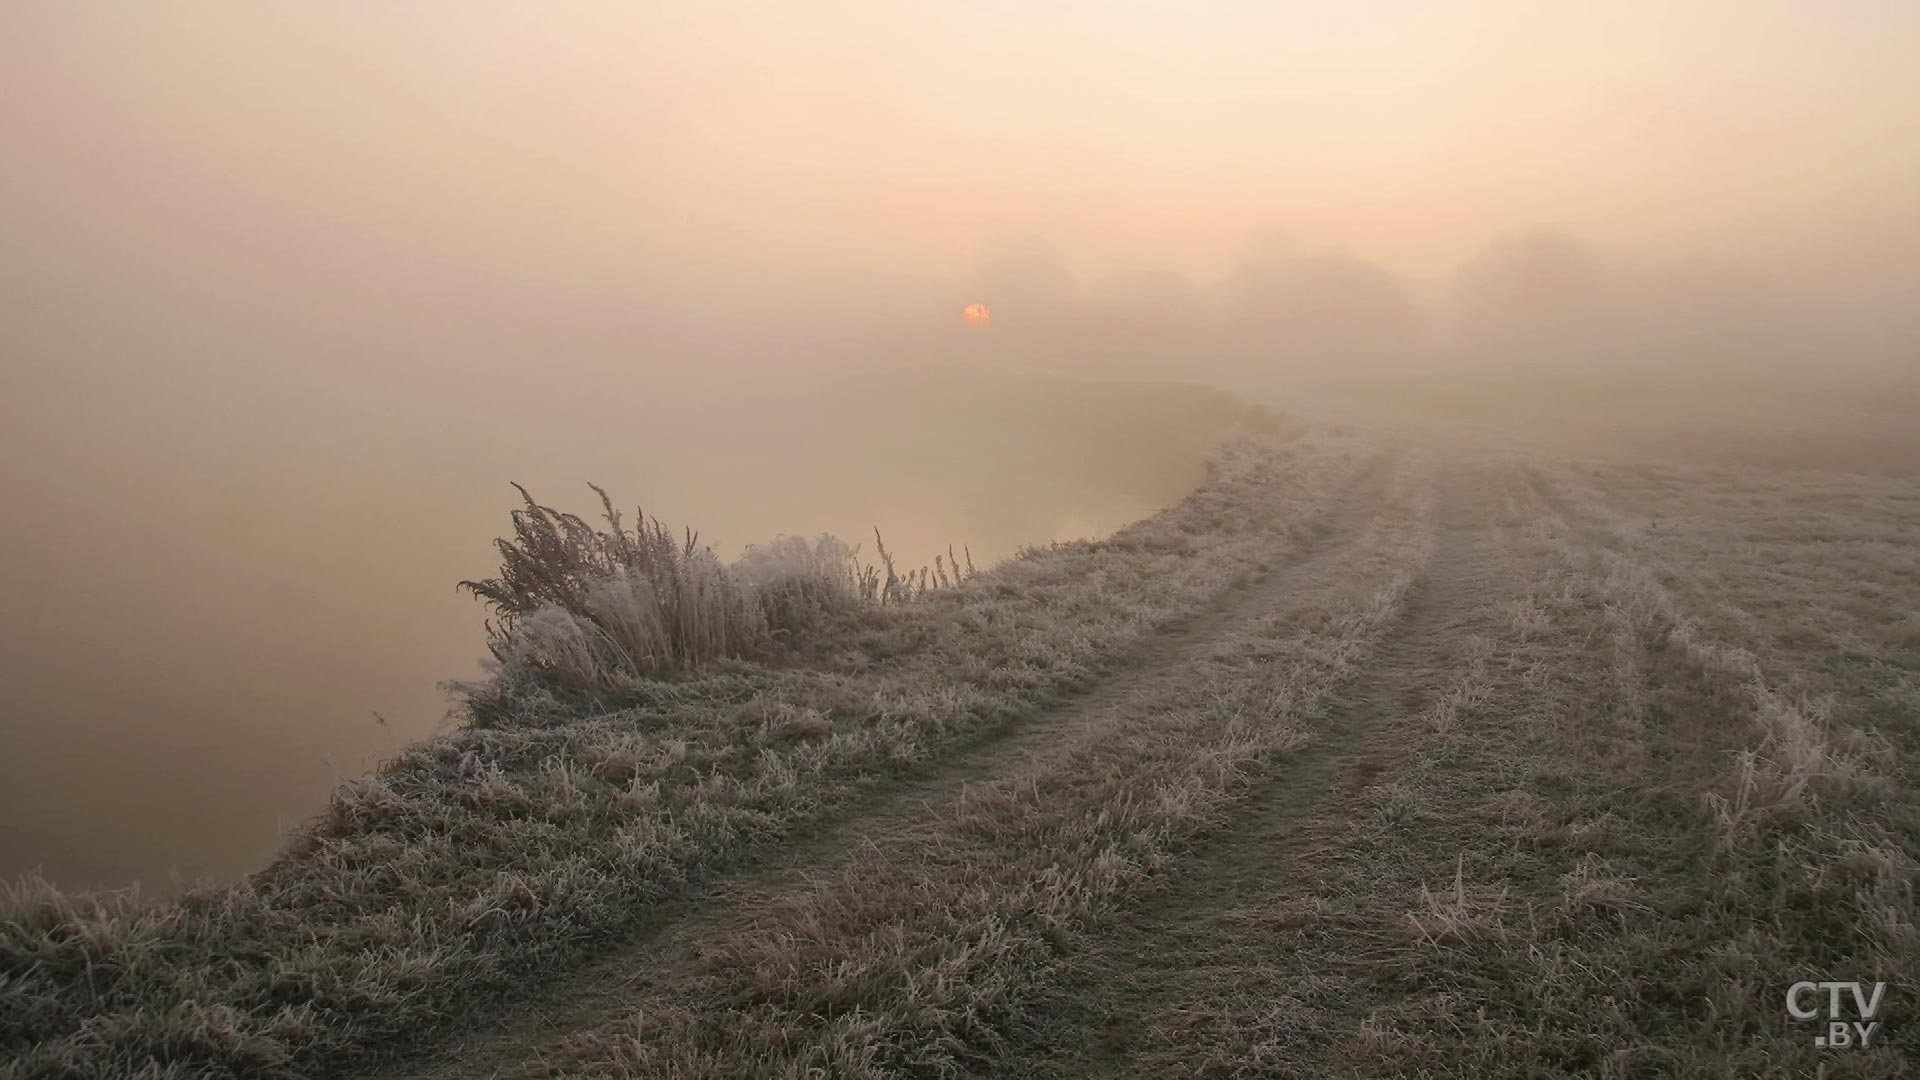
(515, 846)
(587, 613)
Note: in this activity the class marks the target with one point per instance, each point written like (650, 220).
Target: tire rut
(501, 1040)
(1292, 832)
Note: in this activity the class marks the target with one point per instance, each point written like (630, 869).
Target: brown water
(204, 636)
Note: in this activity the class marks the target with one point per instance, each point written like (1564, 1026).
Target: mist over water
(289, 293)
(194, 662)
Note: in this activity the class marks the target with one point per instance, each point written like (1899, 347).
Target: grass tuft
(589, 613)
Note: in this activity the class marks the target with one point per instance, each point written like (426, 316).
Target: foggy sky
(466, 186)
(289, 290)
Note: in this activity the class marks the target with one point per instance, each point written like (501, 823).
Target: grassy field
(1370, 757)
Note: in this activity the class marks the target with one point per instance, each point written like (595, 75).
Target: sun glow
(976, 314)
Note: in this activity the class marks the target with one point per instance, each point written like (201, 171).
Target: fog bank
(289, 292)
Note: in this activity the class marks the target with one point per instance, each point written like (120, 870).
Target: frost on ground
(1364, 759)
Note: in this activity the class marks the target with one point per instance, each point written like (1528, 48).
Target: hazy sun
(976, 314)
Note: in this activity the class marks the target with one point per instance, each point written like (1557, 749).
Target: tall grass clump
(584, 610)
(797, 582)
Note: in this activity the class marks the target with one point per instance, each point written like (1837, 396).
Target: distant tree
(1316, 309)
(1540, 295)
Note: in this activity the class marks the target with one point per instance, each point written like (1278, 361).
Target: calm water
(203, 636)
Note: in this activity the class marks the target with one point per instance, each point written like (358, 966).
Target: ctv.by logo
(1841, 1034)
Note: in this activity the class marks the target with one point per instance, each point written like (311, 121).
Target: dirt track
(1305, 819)
(898, 815)
(1434, 792)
